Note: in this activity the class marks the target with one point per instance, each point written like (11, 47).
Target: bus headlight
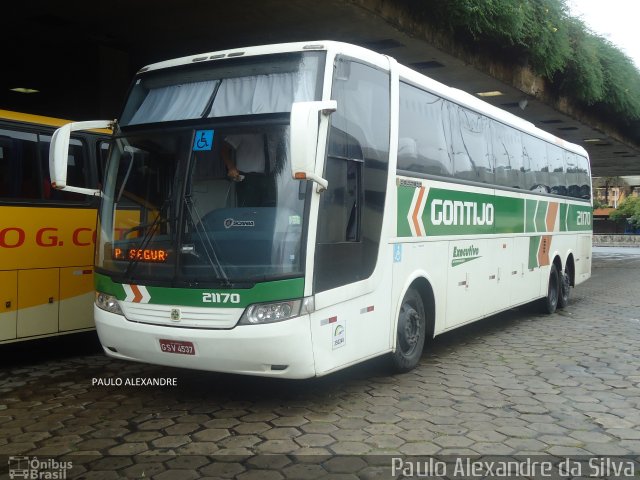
(276, 312)
(108, 303)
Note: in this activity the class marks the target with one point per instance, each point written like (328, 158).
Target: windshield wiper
(151, 229)
(207, 241)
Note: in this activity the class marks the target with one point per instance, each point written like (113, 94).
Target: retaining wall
(613, 240)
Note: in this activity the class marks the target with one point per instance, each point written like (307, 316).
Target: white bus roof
(455, 95)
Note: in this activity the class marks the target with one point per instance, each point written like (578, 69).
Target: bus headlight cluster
(108, 303)
(276, 312)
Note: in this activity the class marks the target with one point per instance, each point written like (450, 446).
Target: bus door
(352, 317)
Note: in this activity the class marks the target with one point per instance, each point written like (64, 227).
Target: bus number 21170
(213, 297)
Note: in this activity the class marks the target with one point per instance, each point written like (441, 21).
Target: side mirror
(59, 154)
(304, 139)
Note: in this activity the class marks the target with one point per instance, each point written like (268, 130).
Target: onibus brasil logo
(35, 468)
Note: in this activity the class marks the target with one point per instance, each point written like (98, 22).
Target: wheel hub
(409, 328)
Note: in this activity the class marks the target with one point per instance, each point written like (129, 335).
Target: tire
(550, 302)
(565, 290)
(411, 332)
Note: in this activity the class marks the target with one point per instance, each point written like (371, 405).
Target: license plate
(176, 346)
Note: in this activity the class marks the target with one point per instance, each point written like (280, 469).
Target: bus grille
(189, 317)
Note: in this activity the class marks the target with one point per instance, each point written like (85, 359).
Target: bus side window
(536, 170)
(20, 168)
(341, 203)
(103, 149)
(507, 155)
(471, 145)
(557, 178)
(6, 164)
(76, 172)
(423, 132)
(584, 178)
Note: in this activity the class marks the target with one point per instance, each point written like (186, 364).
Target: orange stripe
(416, 209)
(137, 295)
(552, 213)
(543, 250)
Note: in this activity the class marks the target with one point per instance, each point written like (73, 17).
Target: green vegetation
(629, 210)
(597, 203)
(540, 33)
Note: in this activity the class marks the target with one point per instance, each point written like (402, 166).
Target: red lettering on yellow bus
(76, 237)
(49, 240)
(7, 241)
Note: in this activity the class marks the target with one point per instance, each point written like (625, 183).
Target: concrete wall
(612, 240)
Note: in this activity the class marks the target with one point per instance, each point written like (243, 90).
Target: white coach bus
(290, 210)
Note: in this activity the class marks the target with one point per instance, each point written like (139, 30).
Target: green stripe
(259, 293)
(530, 212)
(511, 214)
(534, 244)
(563, 217)
(459, 261)
(580, 218)
(541, 216)
(405, 196)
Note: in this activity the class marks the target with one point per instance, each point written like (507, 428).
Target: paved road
(517, 383)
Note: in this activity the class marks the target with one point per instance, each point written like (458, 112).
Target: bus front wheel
(411, 332)
(550, 302)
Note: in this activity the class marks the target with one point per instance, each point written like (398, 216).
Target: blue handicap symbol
(203, 140)
(397, 253)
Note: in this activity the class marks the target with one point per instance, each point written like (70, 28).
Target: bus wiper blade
(207, 242)
(151, 229)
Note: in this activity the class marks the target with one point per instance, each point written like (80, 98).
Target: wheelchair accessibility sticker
(203, 140)
(397, 253)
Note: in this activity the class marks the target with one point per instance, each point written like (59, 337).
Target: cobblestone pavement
(516, 384)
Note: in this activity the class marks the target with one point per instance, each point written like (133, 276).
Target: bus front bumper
(281, 349)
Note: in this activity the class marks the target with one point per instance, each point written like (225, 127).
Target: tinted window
(341, 203)
(584, 178)
(470, 144)
(536, 170)
(506, 147)
(422, 143)
(20, 175)
(555, 158)
(351, 210)
(573, 174)
(24, 168)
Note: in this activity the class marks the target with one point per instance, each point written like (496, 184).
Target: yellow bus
(47, 236)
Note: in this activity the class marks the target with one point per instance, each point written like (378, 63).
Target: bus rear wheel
(411, 332)
(550, 302)
(565, 290)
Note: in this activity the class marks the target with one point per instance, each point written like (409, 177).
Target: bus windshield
(223, 88)
(198, 188)
(173, 212)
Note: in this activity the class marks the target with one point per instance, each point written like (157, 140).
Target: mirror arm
(322, 184)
